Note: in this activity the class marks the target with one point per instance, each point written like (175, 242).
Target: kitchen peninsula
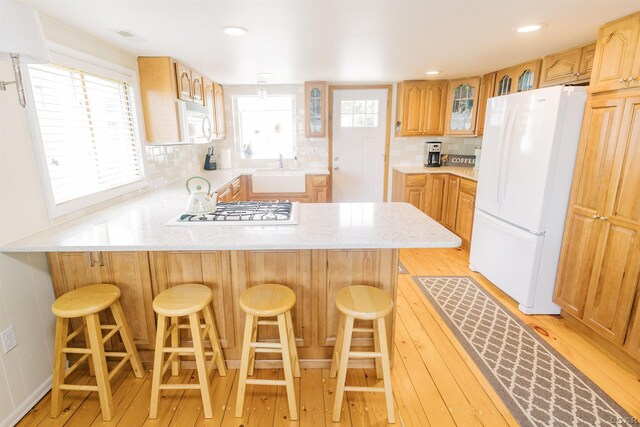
(332, 246)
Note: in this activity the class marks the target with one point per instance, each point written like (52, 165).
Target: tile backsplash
(168, 163)
(410, 150)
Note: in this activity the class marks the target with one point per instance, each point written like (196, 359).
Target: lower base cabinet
(447, 198)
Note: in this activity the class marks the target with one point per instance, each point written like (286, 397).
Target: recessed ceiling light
(432, 73)
(235, 31)
(529, 28)
(265, 75)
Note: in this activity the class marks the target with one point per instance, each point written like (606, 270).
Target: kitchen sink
(278, 181)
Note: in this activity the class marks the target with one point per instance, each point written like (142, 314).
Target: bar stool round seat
(364, 302)
(182, 300)
(267, 300)
(86, 300)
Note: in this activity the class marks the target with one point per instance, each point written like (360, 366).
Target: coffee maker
(432, 154)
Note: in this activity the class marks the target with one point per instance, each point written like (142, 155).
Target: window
(89, 142)
(266, 126)
(359, 113)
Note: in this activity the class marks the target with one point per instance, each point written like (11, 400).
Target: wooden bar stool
(269, 300)
(365, 303)
(180, 301)
(87, 302)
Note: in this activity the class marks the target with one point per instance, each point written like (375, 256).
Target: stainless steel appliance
(243, 213)
(195, 123)
(432, 154)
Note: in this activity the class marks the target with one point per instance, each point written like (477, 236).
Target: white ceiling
(341, 41)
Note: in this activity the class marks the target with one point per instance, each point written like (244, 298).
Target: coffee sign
(458, 160)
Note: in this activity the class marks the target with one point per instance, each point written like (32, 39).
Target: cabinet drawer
(468, 186)
(320, 181)
(416, 180)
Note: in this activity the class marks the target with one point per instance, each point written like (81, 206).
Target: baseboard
(26, 406)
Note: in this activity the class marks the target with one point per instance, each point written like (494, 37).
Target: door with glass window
(358, 144)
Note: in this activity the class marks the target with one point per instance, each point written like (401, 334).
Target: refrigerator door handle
(501, 142)
(503, 151)
(507, 156)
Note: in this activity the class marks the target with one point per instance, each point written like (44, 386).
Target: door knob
(337, 168)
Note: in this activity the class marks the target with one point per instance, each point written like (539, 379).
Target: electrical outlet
(8, 337)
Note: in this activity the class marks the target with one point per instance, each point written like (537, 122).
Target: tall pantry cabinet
(599, 270)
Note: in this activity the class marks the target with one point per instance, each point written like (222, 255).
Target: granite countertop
(469, 173)
(139, 223)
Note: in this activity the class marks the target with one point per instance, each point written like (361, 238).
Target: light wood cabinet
(571, 66)
(599, 268)
(219, 122)
(617, 56)
(519, 78)
(486, 91)
(421, 107)
(462, 106)
(225, 195)
(465, 210)
(447, 198)
(163, 81)
(129, 271)
(451, 202)
(314, 109)
(319, 188)
(435, 195)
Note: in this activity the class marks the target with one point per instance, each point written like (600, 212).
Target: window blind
(88, 130)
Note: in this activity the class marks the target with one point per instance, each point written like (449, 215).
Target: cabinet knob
(595, 216)
(623, 80)
(604, 218)
(631, 79)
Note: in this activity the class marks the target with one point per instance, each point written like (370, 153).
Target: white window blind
(88, 131)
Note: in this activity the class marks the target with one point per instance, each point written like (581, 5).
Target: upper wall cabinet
(163, 81)
(421, 108)
(519, 78)
(569, 67)
(462, 106)
(617, 58)
(314, 109)
(486, 91)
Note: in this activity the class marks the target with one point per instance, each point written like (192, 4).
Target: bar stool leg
(201, 365)
(175, 342)
(127, 339)
(92, 371)
(376, 344)
(252, 350)
(244, 364)
(59, 359)
(338, 347)
(386, 371)
(100, 365)
(342, 369)
(288, 369)
(215, 341)
(291, 337)
(158, 361)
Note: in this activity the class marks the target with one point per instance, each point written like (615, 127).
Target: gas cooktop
(244, 213)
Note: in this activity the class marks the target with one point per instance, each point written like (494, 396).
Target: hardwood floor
(435, 382)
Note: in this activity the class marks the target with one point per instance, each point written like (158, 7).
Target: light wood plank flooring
(435, 382)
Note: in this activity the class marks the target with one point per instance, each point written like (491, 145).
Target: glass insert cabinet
(520, 78)
(462, 106)
(315, 106)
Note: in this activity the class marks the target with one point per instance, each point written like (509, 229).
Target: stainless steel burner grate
(245, 211)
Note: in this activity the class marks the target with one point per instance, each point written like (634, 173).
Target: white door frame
(387, 141)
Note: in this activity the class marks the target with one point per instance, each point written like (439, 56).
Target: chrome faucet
(280, 165)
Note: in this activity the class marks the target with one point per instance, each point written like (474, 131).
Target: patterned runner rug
(402, 269)
(539, 386)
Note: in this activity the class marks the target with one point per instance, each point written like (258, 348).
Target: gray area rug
(539, 386)
(402, 269)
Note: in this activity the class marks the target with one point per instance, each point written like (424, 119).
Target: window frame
(67, 57)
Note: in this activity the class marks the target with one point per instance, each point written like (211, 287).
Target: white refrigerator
(528, 155)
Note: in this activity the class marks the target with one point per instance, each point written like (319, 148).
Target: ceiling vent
(129, 35)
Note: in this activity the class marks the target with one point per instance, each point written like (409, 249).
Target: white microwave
(195, 123)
